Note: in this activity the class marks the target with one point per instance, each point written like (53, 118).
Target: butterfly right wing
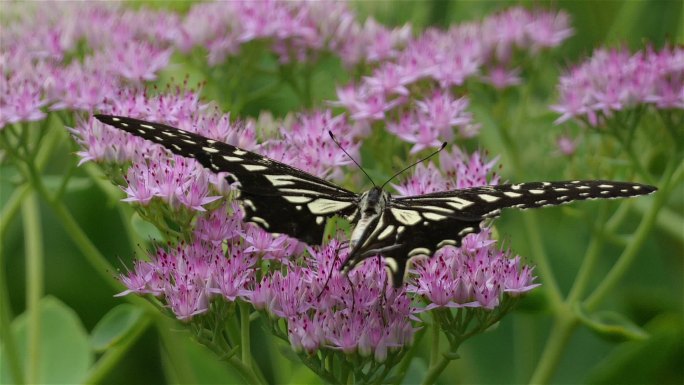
(277, 197)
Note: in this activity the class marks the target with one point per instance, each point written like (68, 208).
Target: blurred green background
(652, 293)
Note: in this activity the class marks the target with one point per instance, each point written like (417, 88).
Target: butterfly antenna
(350, 157)
(332, 269)
(414, 163)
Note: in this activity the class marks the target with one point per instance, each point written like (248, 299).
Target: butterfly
(283, 199)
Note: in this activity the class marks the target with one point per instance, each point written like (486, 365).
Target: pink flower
(616, 80)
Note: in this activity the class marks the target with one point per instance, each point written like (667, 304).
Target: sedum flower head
(613, 80)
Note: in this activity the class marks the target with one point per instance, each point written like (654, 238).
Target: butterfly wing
(277, 197)
(420, 225)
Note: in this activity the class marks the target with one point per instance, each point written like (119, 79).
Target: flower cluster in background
(297, 30)
(76, 55)
(614, 80)
(413, 91)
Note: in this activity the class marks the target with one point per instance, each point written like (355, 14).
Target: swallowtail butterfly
(282, 199)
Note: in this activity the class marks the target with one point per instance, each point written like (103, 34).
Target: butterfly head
(373, 201)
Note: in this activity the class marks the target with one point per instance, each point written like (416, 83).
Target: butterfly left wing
(420, 225)
(277, 197)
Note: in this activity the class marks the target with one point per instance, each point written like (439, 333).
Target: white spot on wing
(407, 217)
(434, 217)
(606, 186)
(391, 263)
(465, 231)
(248, 203)
(259, 221)
(446, 242)
(418, 251)
(254, 167)
(210, 150)
(386, 232)
(147, 126)
(437, 208)
(326, 206)
(537, 192)
(488, 198)
(458, 203)
(280, 180)
(232, 158)
(296, 199)
(512, 194)
(319, 220)
(239, 152)
(115, 119)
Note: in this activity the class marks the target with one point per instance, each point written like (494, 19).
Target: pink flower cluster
(415, 85)
(614, 80)
(474, 275)
(73, 56)
(296, 30)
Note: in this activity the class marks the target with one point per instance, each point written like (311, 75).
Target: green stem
(555, 345)
(543, 265)
(434, 346)
(403, 365)
(10, 209)
(630, 252)
(245, 344)
(33, 244)
(668, 220)
(438, 367)
(114, 354)
(588, 262)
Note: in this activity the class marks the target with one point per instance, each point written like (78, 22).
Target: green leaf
(114, 326)
(53, 182)
(145, 229)
(656, 360)
(610, 325)
(64, 354)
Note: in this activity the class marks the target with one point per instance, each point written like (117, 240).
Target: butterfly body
(283, 199)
